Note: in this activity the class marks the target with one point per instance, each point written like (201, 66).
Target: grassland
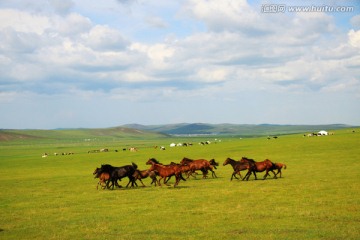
(56, 197)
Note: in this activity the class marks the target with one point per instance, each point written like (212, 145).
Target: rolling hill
(245, 130)
(78, 134)
(137, 131)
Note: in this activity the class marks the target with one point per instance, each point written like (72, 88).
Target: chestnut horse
(166, 171)
(200, 164)
(279, 166)
(265, 165)
(141, 174)
(237, 166)
(103, 178)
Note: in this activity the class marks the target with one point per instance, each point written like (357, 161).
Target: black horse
(117, 173)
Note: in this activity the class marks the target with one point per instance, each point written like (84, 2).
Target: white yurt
(322, 133)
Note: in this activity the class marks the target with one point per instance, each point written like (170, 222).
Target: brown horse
(237, 166)
(103, 178)
(278, 166)
(265, 165)
(199, 164)
(138, 175)
(166, 171)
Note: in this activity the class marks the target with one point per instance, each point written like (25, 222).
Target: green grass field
(56, 197)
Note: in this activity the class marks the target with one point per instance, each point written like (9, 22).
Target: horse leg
(266, 174)
(254, 174)
(205, 172)
(105, 184)
(213, 174)
(142, 182)
(177, 177)
(132, 180)
(165, 182)
(181, 177)
(154, 180)
(247, 175)
(233, 175)
(113, 182)
(167, 179)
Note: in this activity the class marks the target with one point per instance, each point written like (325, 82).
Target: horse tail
(284, 166)
(134, 165)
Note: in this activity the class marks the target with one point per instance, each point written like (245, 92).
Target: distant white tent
(322, 133)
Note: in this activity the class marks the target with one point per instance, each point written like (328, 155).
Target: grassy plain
(56, 197)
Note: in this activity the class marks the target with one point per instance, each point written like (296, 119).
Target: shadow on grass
(147, 187)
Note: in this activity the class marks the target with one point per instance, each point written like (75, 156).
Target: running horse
(117, 173)
(279, 166)
(199, 164)
(265, 165)
(237, 166)
(104, 177)
(166, 171)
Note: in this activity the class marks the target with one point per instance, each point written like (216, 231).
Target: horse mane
(154, 160)
(187, 159)
(249, 159)
(134, 165)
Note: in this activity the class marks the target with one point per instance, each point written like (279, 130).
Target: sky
(95, 64)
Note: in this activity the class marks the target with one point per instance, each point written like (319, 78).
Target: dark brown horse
(213, 163)
(199, 164)
(237, 166)
(167, 171)
(265, 165)
(117, 173)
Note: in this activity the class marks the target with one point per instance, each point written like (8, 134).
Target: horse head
(213, 162)
(152, 161)
(227, 161)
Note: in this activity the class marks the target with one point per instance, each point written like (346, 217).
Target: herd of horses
(109, 175)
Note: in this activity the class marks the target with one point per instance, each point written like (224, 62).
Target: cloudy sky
(91, 63)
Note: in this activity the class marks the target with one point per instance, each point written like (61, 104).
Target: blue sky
(77, 63)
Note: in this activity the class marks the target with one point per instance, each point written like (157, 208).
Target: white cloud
(72, 49)
(354, 38)
(104, 38)
(22, 21)
(156, 22)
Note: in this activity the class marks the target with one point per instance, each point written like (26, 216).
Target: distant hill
(234, 129)
(137, 131)
(77, 134)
